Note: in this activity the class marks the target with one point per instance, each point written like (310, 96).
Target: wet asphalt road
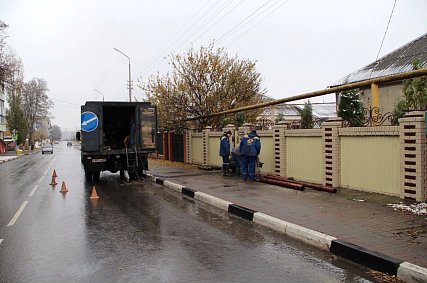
(137, 232)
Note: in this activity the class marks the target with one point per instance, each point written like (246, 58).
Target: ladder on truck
(132, 162)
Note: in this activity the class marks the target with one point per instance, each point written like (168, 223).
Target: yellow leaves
(204, 81)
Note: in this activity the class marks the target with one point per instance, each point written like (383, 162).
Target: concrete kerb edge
(409, 272)
(311, 237)
(406, 271)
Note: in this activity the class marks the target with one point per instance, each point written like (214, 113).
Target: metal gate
(177, 147)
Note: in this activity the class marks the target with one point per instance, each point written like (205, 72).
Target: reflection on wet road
(137, 232)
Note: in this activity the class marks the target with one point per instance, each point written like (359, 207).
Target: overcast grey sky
(299, 45)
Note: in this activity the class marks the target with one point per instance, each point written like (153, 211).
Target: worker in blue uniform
(250, 147)
(224, 151)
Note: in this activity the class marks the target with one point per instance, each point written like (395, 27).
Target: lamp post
(100, 93)
(130, 82)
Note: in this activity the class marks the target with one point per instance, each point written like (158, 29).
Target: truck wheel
(96, 176)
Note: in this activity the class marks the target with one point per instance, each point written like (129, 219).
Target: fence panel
(197, 149)
(305, 158)
(159, 141)
(371, 163)
(178, 147)
(266, 155)
(214, 141)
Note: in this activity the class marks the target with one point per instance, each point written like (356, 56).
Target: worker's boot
(224, 170)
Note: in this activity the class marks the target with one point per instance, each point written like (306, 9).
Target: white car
(47, 147)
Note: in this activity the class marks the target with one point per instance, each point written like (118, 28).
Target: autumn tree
(36, 103)
(14, 85)
(203, 82)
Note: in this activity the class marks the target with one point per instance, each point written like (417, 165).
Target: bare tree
(202, 82)
(36, 103)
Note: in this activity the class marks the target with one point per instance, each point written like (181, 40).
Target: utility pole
(130, 80)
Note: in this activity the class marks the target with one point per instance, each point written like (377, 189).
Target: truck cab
(117, 136)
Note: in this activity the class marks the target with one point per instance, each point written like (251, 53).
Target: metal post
(130, 85)
(100, 93)
(130, 81)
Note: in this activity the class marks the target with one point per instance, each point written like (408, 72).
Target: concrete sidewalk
(11, 155)
(359, 218)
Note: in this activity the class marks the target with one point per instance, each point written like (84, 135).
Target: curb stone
(377, 261)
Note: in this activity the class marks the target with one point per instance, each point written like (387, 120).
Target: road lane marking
(13, 220)
(1, 240)
(45, 172)
(33, 191)
(41, 178)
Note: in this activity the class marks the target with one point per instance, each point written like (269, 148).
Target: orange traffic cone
(53, 182)
(63, 188)
(94, 195)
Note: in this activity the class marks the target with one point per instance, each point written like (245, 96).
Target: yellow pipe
(375, 100)
(367, 83)
(375, 95)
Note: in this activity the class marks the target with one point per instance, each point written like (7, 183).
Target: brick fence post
(279, 140)
(205, 139)
(413, 156)
(332, 152)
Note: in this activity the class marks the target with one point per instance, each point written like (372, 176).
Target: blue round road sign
(89, 121)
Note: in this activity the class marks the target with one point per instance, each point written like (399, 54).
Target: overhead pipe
(367, 83)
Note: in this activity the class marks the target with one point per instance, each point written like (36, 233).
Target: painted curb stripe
(188, 192)
(371, 259)
(213, 201)
(243, 212)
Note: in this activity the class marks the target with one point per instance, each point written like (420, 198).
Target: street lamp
(100, 93)
(130, 82)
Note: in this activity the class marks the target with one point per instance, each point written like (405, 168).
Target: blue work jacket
(224, 146)
(250, 145)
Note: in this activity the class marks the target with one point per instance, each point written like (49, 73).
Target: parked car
(47, 147)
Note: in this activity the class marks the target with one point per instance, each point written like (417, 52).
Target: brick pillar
(188, 145)
(279, 139)
(205, 138)
(332, 152)
(413, 156)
